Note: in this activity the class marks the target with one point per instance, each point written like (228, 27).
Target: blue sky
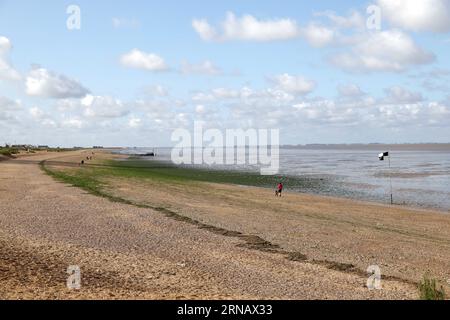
(311, 69)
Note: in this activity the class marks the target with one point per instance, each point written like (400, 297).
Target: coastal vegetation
(7, 151)
(430, 289)
(159, 171)
(11, 151)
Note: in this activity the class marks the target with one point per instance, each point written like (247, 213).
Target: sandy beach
(204, 240)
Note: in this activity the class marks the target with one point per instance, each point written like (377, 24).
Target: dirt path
(129, 252)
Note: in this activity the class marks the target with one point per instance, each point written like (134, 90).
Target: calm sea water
(420, 177)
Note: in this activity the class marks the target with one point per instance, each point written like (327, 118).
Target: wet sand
(222, 248)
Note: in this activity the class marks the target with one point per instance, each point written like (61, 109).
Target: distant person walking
(279, 190)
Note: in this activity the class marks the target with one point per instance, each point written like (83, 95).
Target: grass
(94, 178)
(56, 149)
(430, 290)
(8, 151)
(85, 181)
(161, 171)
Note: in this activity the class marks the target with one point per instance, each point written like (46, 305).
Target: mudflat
(204, 240)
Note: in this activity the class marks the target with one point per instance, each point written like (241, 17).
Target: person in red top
(279, 190)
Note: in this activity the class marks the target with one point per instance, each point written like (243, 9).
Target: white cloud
(9, 111)
(224, 93)
(350, 90)
(417, 15)
(281, 96)
(434, 80)
(247, 107)
(200, 109)
(201, 97)
(401, 115)
(159, 115)
(88, 100)
(179, 103)
(73, 123)
(42, 117)
(391, 50)
(108, 114)
(93, 108)
(353, 20)
(141, 60)
(245, 94)
(206, 68)
(134, 122)
(7, 104)
(293, 84)
(156, 90)
(103, 107)
(209, 114)
(317, 35)
(248, 28)
(414, 114)
(397, 94)
(37, 113)
(49, 123)
(5, 45)
(353, 108)
(157, 106)
(6, 70)
(439, 73)
(43, 83)
(204, 29)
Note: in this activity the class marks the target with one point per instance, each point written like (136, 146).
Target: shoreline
(326, 222)
(425, 208)
(127, 251)
(364, 202)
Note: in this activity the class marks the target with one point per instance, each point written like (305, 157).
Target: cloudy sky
(320, 71)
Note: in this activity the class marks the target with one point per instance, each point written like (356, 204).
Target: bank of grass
(163, 172)
(429, 289)
(143, 169)
(8, 151)
(87, 180)
(56, 149)
(93, 177)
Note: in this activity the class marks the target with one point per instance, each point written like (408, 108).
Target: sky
(130, 73)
